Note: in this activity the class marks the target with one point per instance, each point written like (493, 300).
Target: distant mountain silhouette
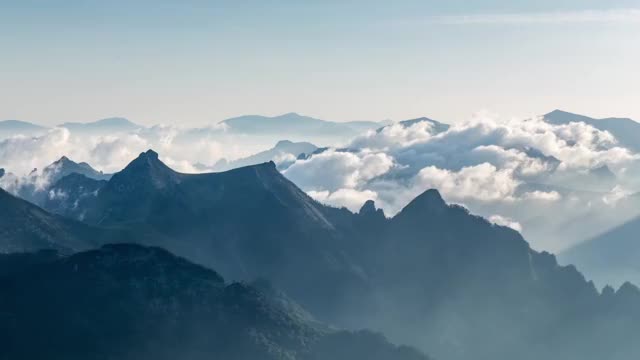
(626, 131)
(132, 302)
(293, 123)
(16, 127)
(280, 151)
(104, 126)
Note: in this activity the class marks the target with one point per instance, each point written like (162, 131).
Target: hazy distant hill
(293, 123)
(16, 127)
(104, 126)
(626, 131)
(612, 257)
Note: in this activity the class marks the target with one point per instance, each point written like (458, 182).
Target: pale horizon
(201, 62)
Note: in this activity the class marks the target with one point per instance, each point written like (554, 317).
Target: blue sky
(197, 62)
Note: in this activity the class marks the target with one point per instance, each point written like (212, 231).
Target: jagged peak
(431, 197)
(369, 206)
(148, 157)
(148, 166)
(369, 209)
(429, 201)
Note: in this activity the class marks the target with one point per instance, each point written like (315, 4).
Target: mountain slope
(248, 222)
(71, 195)
(155, 305)
(26, 227)
(609, 258)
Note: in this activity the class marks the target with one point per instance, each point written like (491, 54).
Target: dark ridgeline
(133, 302)
(433, 276)
(26, 227)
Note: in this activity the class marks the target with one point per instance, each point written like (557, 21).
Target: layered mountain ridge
(433, 275)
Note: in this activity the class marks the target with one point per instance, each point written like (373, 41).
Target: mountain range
(433, 276)
(293, 123)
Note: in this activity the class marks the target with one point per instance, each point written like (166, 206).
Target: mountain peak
(146, 168)
(150, 154)
(429, 201)
(283, 143)
(63, 160)
(368, 207)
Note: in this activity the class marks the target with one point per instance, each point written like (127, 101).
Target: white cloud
(333, 170)
(542, 195)
(349, 198)
(505, 221)
(616, 194)
(482, 182)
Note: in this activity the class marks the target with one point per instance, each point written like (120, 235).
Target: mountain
(65, 166)
(248, 222)
(36, 187)
(433, 275)
(626, 131)
(284, 153)
(436, 126)
(26, 227)
(10, 128)
(296, 124)
(102, 127)
(611, 257)
(133, 302)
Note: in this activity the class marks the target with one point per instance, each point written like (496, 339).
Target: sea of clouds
(535, 177)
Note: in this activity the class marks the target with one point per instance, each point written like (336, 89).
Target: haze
(203, 61)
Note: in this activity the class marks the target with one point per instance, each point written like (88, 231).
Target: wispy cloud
(557, 17)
